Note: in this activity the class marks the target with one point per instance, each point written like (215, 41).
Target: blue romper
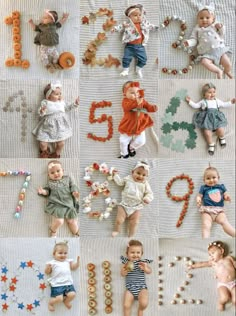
(135, 279)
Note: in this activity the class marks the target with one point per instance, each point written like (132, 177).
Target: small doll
(136, 194)
(210, 119)
(210, 201)
(62, 203)
(47, 38)
(135, 120)
(54, 125)
(61, 282)
(134, 269)
(135, 37)
(208, 37)
(224, 267)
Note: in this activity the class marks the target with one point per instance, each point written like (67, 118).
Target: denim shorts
(61, 290)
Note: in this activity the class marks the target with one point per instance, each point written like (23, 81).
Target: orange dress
(135, 122)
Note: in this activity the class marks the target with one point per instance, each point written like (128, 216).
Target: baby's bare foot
(67, 304)
(221, 307)
(51, 307)
(114, 234)
(229, 75)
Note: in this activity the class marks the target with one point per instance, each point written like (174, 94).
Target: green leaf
(178, 146)
(181, 94)
(168, 118)
(166, 128)
(190, 143)
(166, 140)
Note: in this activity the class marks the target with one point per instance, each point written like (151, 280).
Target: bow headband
(53, 87)
(143, 165)
(53, 164)
(210, 7)
(132, 8)
(50, 14)
(131, 84)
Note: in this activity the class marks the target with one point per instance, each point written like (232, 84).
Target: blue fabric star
(4, 296)
(23, 265)
(40, 276)
(21, 306)
(36, 303)
(4, 270)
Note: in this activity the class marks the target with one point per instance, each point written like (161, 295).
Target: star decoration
(23, 265)
(40, 276)
(4, 270)
(12, 288)
(30, 264)
(42, 286)
(21, 306)
(3, 278)
(29, 307)
(36, 303)
(4, 296)
(5, 306)
(14, 280)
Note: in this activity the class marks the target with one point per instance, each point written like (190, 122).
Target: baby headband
(52, 164)
(131, 85)
(214, 244)
(50, 14)
(210, 7)
(65, 242)
(132, 8)
(142, 164)
(53, 87)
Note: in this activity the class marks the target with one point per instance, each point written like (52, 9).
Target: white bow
(204, 6)
(142, 164)
(53, 87)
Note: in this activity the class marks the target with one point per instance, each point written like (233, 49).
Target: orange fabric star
(12, 288)
(14, 280)
(30, 264)
(42, 286)
(3, 278)
(5, 306)
(29, 307)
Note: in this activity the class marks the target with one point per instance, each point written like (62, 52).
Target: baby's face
(46, 19)
(205, 18)
(211, 178)
(215, 253)
(139, 174)
(60, 253)
(55, 172)
(134, 253)
(55, 95)
(210, 94)
(136, 16)
(132, 93)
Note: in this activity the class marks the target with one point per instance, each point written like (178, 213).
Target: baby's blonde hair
(210, 168)
(60, 244)
(134, 242)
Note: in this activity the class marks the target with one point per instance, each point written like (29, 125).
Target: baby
(134, 269)
(136, 194)
(208, 37)
(210, 119)
(62, 288)
(135, 37)
(47, 38)
(224, 267)
(63, 197)
(54, 125)
(135, 120)
(210, 201)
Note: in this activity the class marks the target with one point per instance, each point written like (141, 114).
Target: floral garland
(9, 286)
(101, 119)
(91, 51)
(98, 188)
(178, 198)
(25, 185)
(179, 45)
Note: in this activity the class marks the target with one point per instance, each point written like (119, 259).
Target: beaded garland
(25, 185)
(107, 286)
(9, 286)
(178, 44)
(178, 198)
(97, 188)
(92, 302)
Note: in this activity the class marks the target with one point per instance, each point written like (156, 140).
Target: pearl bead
(199, 302)
(171, 264)
(189, 275)
(182, 302)
(181, 288)
(186, 258)
(173, 302)
(186, 283)
(191, 301)
(177, 295)
(177, 258)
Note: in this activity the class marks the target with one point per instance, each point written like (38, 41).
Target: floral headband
(131, 84)
(53, 87)
(214, 244)
(50, 14)
(143, 165)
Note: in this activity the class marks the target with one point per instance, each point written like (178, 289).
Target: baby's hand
(65, 16)
(155, 108)
(75, 194)
(125, 24)
(146, 201)
(124, 271)
(114, 171)
(199, 201)
(42, 191)
(233, 101)
(185, 43)
(30, 21)
(227, 197)
(113, 30)
(143, 266)
(188, 99)
(43, 109)
(218, 26)
(78, 259)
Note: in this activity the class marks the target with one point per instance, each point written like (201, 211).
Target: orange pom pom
(16, 22)
(25, 64)
(17, 54)
(16, 38)
(8, 20)
(16, 30)
(9, 62)
(17, 62)
(17, 46)
(15, 15)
